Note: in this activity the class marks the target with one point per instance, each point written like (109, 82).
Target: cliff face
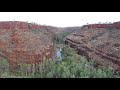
(20, 43)
(115, 25)
(49, 31)
(98, 42)
(18, 25)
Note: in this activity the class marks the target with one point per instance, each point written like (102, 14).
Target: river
(59, 55)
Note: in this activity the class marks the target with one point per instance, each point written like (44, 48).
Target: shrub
(72, 66)
(59, 38)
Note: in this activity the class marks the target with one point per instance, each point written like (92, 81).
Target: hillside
(99, 42)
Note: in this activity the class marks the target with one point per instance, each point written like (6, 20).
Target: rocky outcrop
(115, 25)
(98, 42)
(93, 26)
(18, 25)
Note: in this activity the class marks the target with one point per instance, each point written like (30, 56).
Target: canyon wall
(20, 43)
(98, 42)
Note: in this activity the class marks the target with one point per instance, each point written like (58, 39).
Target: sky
(61, 19)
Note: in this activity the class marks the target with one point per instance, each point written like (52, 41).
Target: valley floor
(72, 66)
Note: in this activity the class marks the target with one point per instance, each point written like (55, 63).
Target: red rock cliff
(18, 25)
(115, 25)
(98, 43)
(18, 44)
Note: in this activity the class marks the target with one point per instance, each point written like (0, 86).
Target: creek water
(59, 55)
